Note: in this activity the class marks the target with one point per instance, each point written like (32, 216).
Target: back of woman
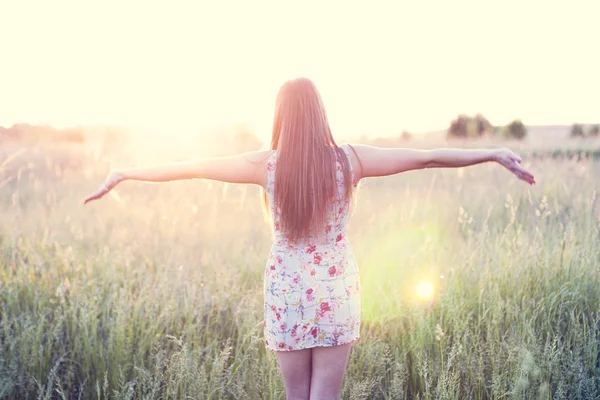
(338, 208)
(312, 287)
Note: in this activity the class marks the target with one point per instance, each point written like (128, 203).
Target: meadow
(157, 292)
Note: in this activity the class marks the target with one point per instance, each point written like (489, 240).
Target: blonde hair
(305, 177)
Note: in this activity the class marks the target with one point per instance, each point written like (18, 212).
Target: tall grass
(160, 295)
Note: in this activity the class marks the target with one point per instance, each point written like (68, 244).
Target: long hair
(305, 177)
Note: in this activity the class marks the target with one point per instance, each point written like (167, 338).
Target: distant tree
(515, 130)
(458, 127)
(594, 130)
(4, 132)
(73, 134)
(406, 135)
(19, 130)
(464, 126)
(472, 128)
(483, 125)
(577, 130)
(32, 132)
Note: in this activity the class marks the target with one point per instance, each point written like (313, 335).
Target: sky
(185, 67)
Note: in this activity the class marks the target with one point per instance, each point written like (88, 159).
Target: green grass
(160, 295)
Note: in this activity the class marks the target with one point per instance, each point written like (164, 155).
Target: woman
(311, 288)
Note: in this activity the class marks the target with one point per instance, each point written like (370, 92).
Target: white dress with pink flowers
(312, 290)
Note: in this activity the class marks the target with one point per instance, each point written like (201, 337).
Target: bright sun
(425, 290)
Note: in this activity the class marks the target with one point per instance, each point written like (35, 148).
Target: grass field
(159, 294)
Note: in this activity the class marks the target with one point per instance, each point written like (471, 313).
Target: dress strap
(345, 148)
(271, 162)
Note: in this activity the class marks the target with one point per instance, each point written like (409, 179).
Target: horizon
(196, 68)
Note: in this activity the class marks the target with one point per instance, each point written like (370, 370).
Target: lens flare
(425, 290)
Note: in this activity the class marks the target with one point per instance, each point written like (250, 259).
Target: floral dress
(312, 289)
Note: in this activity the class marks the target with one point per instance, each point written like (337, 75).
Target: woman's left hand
(512, 162)
(112, 180)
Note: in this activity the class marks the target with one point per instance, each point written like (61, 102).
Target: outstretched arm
(376, 161)
(245, 168)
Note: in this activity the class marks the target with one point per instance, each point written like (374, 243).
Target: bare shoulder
(361, 156)
(257, 161)
(355, 161)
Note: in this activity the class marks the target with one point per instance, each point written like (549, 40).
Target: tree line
(466, 127)
(578, 130)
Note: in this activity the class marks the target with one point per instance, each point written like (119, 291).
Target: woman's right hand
(112, 180)
(512, 162)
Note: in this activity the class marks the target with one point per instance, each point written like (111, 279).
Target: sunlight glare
(425, 290)
(208, 65)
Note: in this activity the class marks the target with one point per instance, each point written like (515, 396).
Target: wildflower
(439, 332)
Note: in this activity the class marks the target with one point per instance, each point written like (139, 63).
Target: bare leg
(295, 367)
(328, 369)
